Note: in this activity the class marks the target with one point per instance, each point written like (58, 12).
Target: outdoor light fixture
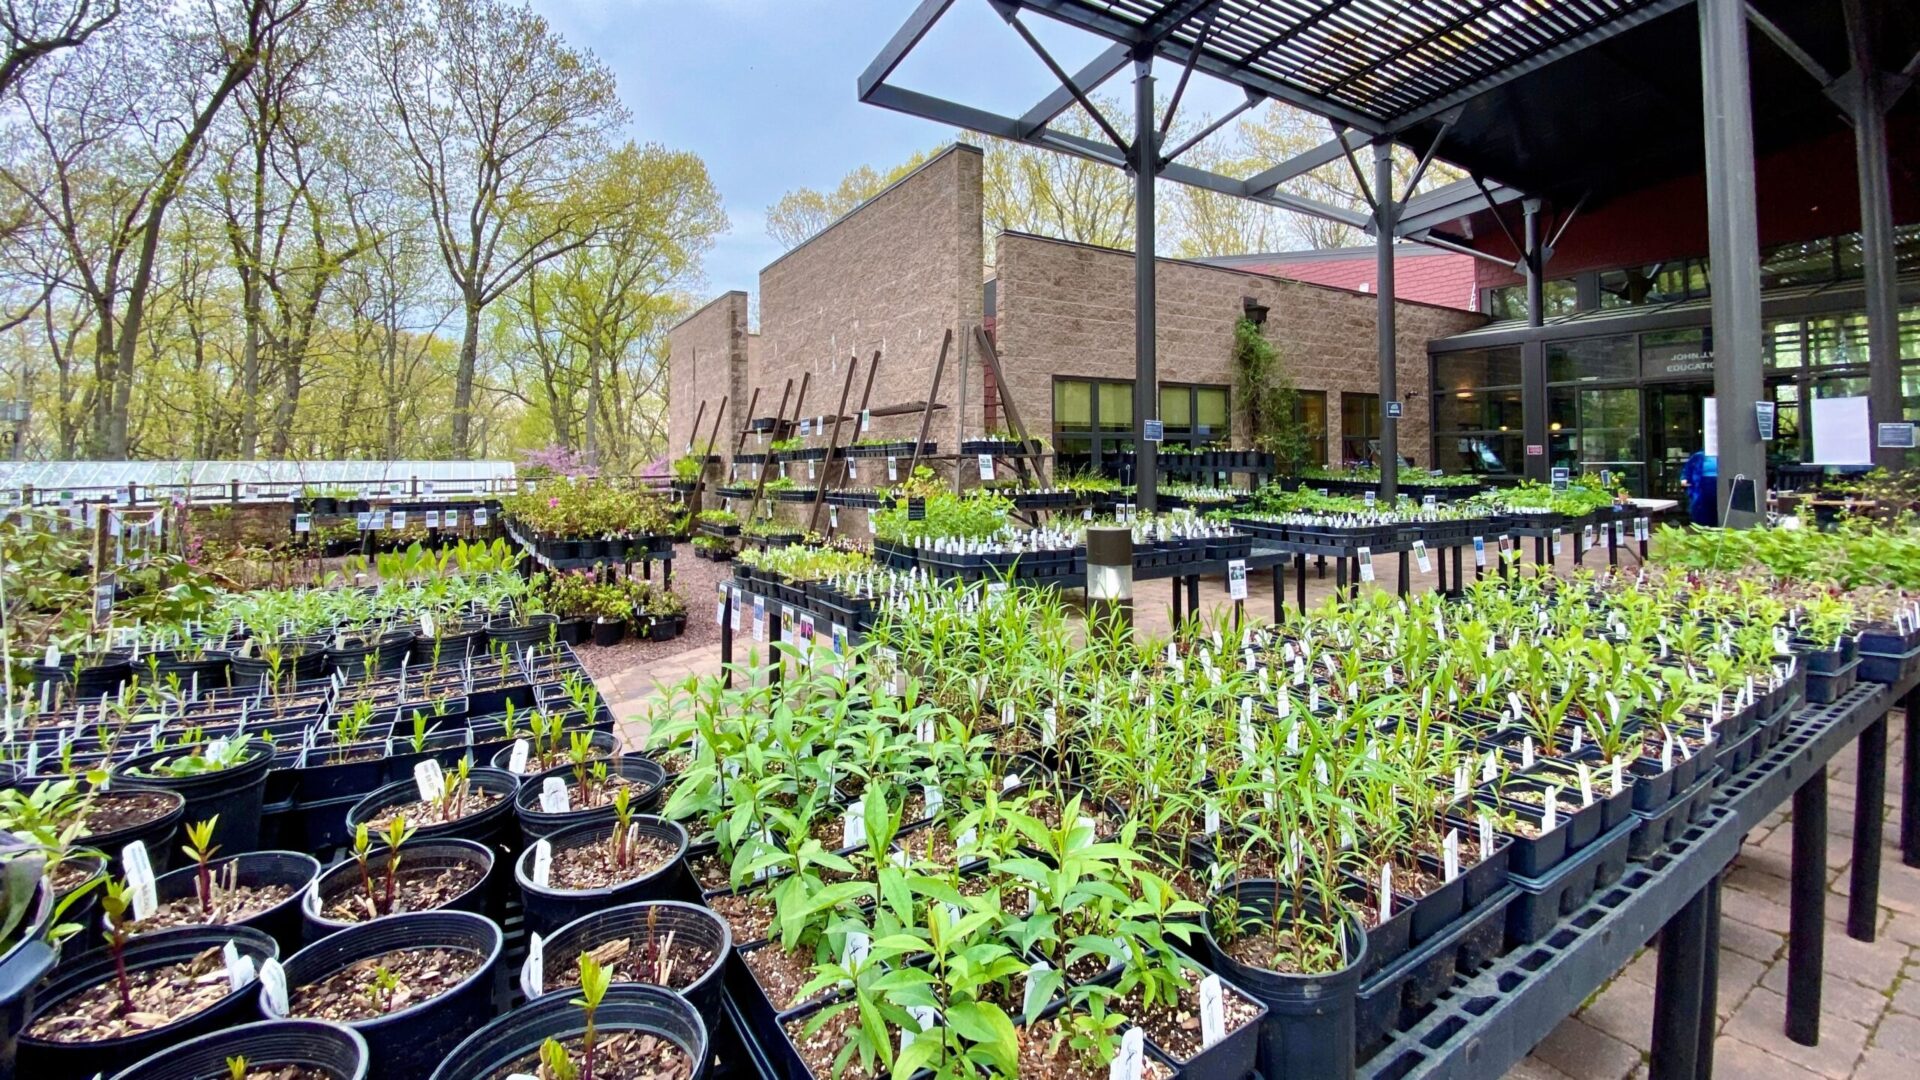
(1256, 311)
(1110, 574)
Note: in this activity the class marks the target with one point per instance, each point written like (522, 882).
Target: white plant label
(533, 972)
(273, 979)
(1450, 853)
(139, 870)
(1213, 1011)
(1366, 564)
(429, 779)
(1386, 892)
(1049, 726)
(1131, 1060)
(1031, 1001)
(1213, 818)
(1586, 784)
(932, 798)
(554, 798)
(239, 968)
(893, 469)
(1550, 809)
(1420, 556)
(853, 824)
(1486, 836)
(1559, 545)
(517, 760)
(986, 466)
(1247, 747)
(542, 863)
(1236, 579)
(1526, 751)
(858, 945)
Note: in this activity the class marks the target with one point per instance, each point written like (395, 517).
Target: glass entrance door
(1609, 436)
(1676, 428)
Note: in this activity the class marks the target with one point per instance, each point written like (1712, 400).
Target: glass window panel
(1072, 404)
(1833, 340)
(1592, 359)
(1666, 354)
(1562, 411)
(1176, 406)
(1910, 392)
(1783, 344)
(1797, 264)
(1359, 425)
(1558, 297)
(1459, 410)
(1210, 410)
(1610, 427)
(1311, 410)
(1476, 369)
(1116, 406)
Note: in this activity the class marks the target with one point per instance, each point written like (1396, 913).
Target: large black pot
(21, 969)
(337, 1051)
(559, 970)
(43, 1058)
(1309, 1027)
(548, 909)
(255, 868)
(643, 773)
(627, 1007)
(236, 794)
(156, 834)
(298, 664)
(522, 633)
(494, 825)
(428, 855)
(207, 673)
(405, 1044)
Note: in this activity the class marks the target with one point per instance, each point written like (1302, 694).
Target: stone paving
(1870, 1026)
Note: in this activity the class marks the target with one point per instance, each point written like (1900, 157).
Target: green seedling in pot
(200, 848)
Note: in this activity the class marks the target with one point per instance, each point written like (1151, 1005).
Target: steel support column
(1734, 252)
(1866, 103)
(1533, 353)
(1146, 380)
(1384, 214)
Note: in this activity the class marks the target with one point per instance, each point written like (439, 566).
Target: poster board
(1842, 434)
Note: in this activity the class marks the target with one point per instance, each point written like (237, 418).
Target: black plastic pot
(207, 673)
(686, 922)
(394, 647)
(255, 868)
(519, 634)
(337, 1051)
(607, 634)
(604, 744)
(405, 1044)
(429, 855)
(21, 969)
(298, 663)
(157, 835)
(1233, 1057)
(1309, 1028)
(454, 646)
(643, 773)
(492, 826)
(548, 909)
(43, 1058)
(235, 794)
(627, 1007)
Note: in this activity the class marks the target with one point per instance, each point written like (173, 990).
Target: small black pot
(1309, 1028)
(522, 633)
(44, 1058)
(492, 826)
(281, 921)
(235, 794)
(157, 835)
(643, 773)
(344, 876)
(548, 909)
(686, 922)
(337, 1051)
(607, 634)
(627, 1007)
(403, 1045)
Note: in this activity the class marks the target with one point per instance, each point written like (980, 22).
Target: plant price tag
(553, 796)
(1213, 1011)
(1450, 853)
(1550, 809)
(430, 780)
(1480, 551)
(399, 519)
(853, 824)
(759, 618)
(273, 979)
(479, 517)
(1236, 579)
(517, 759)
(302, 523)
(533, 971)
(1420, 555)
(1366, 564)
(893, 469)
(986, 466)
(542, 863)
(1559, 545)
(139, 870)
(1586, 784)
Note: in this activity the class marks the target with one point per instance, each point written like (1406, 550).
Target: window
(1476, 411)
(1092, 420)
(1654, 283)
(1359, 427)
(1310, 409)
(1592, 359)
(1560, 296)
(1195, 415)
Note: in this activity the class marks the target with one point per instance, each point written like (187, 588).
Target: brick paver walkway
(1870, 1027)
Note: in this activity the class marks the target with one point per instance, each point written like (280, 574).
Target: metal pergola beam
(1305, 162)
(1109, 63)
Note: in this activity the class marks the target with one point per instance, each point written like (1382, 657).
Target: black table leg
(1910, 781)
(1406, 573)
(1300, 582)
(1440, 568)
(1340, 576)
(1174, 583)
(1709, 981)
(726, 641)
(1806, 937)
(1279, 594)
(1193, 596)
(1678, 991)
(1869, 808)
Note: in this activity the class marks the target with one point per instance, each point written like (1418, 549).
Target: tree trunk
(463, 378)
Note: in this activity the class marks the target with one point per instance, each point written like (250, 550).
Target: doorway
(1676, 429)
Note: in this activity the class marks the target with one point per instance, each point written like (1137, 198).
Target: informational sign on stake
(1236, 579)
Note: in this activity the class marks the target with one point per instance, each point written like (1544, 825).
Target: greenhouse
(443, 641)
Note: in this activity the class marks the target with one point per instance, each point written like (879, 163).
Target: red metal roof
(1425, 275)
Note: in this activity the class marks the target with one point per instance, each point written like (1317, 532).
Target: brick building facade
(907, 266)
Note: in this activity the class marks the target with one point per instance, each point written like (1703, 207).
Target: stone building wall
(708, 358)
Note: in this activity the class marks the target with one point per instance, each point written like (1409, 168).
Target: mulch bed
(414, 889)
(161, 995)
(349, 994)
(621, 1055)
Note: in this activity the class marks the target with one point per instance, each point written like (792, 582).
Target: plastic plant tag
(239, 968)
(858, 945)
(931, 797)
(1131, 1060)
(853, 824)
(517, 760)
(925, 1017)
(1550, 809)
(1269, 780)
(1386, 891)
(273, 980)
(431, 782)
(1049, 726)
(139, 871)
(1526, 751)
(1036, 993)
(1213, 1011)
(1559, 545)
(1366, 564)
(1006, 713)
(533, 972)
(554, 798)
(1486, 835)
(986, 466)
(1579, 734)
(1614, 785)
(1420, 556)
(1247, 747)
(1213, 818)
(542, 862)
(1586, 783)
(1450, 854)
(1460, 781)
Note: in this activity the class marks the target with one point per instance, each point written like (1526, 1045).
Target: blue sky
(763, 90)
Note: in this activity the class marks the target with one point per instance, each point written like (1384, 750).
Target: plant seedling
(555, 1063)
(118, 899)
(200, 847)
(399, 831)
(385, 983)
(237, 1067)
(594, 981)
(623, 821)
